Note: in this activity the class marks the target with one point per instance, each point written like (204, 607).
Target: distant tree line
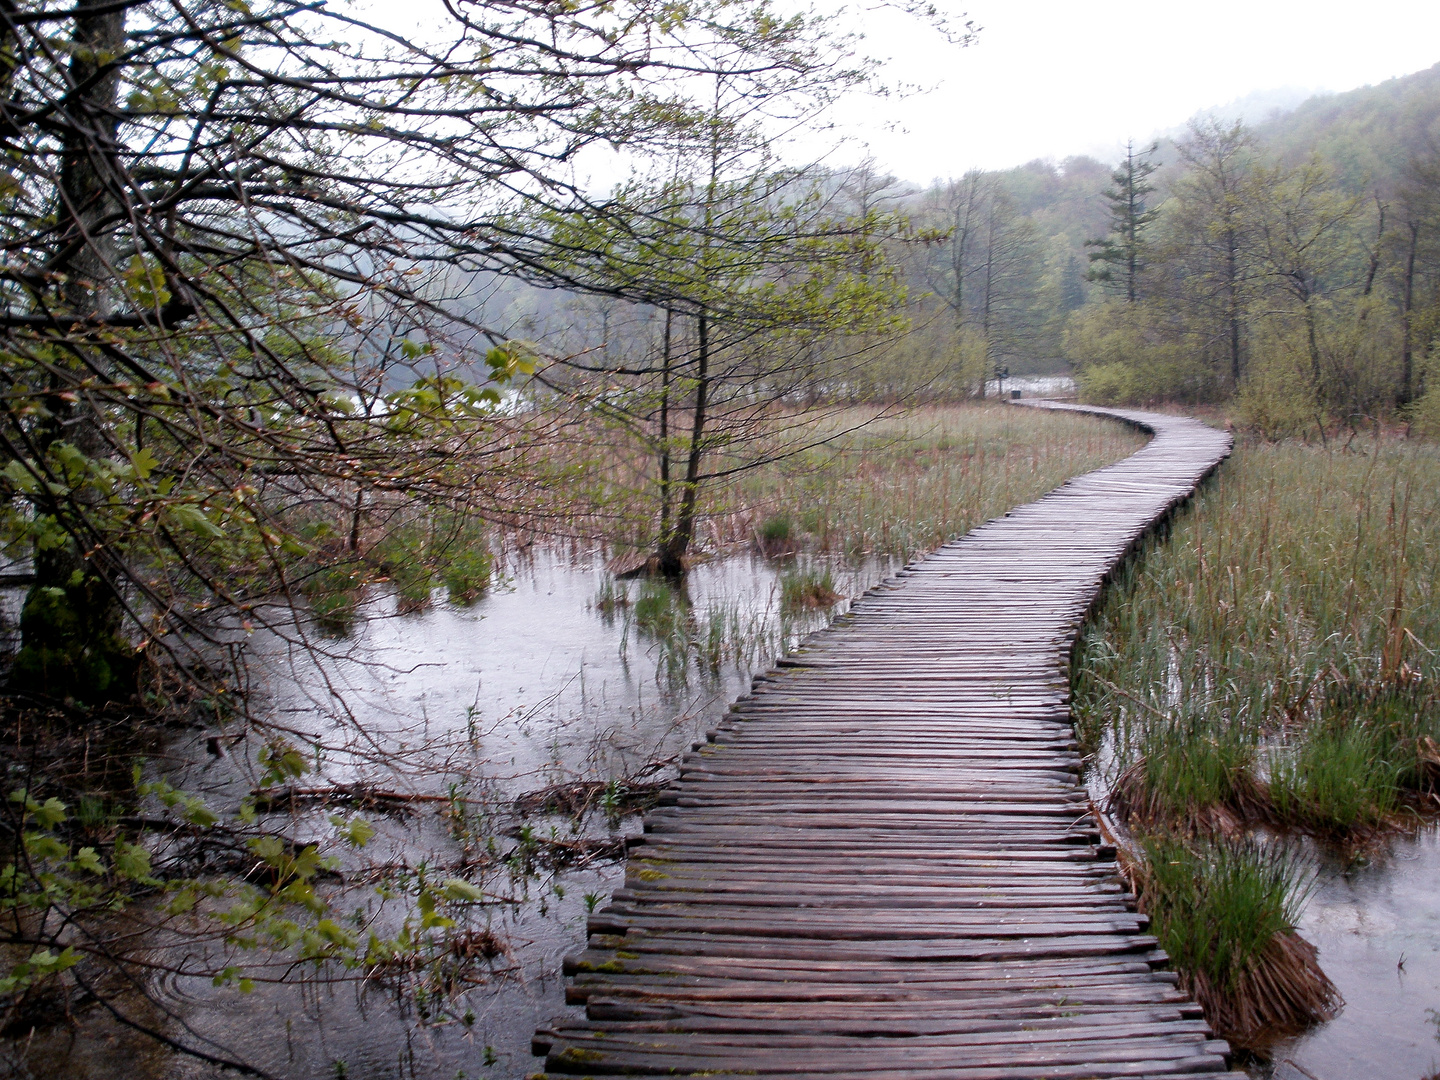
(1290, 270)
(1272, 282)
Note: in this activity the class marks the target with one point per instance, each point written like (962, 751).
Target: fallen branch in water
(357, 795)
(615, 797)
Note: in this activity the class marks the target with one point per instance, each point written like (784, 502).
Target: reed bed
(843, 480)
(903, 484)
(1269, 667)
(1293, 616)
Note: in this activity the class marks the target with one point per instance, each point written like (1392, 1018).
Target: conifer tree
(1118, 260)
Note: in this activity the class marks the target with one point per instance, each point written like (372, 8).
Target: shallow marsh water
(1365, 916)
(544, 680)
(1377, 925)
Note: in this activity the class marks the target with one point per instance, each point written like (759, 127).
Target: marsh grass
(1339, 782)
(903, 484)
(1270, 663)
(1294, 610)
(807, 588)
(777, 535)
(1193, 775)
(661, 614)
(855, 481)
(900, 485)
(411, 555)
(1225, 911)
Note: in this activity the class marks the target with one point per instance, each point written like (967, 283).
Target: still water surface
(1377, 925)
(538, 683)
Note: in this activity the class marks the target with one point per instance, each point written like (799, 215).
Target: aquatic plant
(1338, 782)
(1194, 773)
(807, 588)
(904, 483)
(776, 532)
(1225, 912)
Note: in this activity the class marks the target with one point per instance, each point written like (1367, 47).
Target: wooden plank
(880, 863)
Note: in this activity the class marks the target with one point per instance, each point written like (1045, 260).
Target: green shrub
(334, 591)
(466, 568)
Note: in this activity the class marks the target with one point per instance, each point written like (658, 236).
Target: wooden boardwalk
(882, 864)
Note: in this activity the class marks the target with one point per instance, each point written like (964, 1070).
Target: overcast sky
(1051, 78)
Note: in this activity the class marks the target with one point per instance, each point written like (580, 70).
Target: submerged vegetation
(1270, 666)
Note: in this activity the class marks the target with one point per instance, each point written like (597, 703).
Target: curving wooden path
(883, 864)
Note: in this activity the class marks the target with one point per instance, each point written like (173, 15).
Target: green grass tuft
(807, 589)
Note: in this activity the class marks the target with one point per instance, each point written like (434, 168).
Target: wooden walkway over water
(882, 865)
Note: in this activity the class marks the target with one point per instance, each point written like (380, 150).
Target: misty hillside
(1017, 270)
(1366, 134)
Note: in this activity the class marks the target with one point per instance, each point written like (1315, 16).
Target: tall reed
(1296, 608)
(1273, 660)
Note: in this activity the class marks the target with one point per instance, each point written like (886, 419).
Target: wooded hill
(1323, 207)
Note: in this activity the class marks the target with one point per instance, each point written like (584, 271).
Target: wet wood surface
(882, 864)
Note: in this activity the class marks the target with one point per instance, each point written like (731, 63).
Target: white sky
(1050, 78)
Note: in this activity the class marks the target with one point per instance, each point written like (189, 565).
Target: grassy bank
(904, 484)
(1270, 666)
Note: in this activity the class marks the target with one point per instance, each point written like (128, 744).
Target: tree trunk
(71, 645)
(1232, 289)
(1407, 354)
(673, 551)
(665, 435)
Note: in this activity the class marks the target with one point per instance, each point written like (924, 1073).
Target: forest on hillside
(1290, 268)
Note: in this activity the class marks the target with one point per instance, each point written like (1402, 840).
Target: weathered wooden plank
(880, 864)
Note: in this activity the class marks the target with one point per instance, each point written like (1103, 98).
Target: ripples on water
(1377, 926)
(534, 684)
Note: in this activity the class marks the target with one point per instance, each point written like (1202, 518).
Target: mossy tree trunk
(71, 643)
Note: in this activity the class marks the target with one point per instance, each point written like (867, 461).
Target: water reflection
(558, 675)
(1377, 926)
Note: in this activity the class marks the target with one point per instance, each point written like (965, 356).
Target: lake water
(539, 682)
(542, 681)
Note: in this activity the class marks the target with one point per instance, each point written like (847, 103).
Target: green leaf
(356, 832)
(197, 813)
(334, 933)
(144, 463)
(459, 889)
(194, 519)
(20, 476)
(132, 862)
(269, 848)
(49, 813)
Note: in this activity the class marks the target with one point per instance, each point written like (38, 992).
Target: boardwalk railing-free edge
(883, 864)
